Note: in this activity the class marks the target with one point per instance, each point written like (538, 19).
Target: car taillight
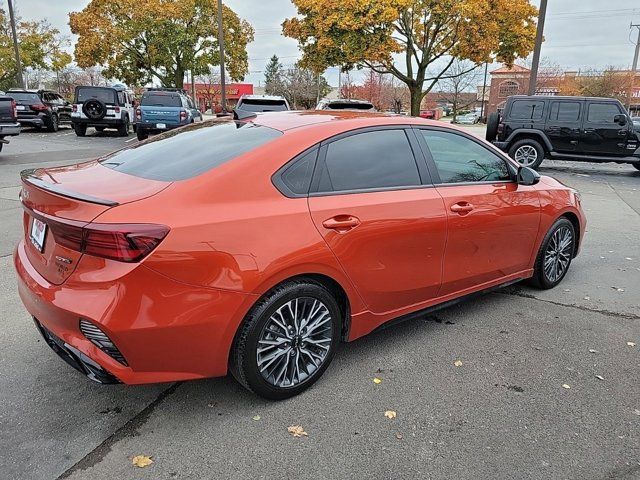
(183, 115)
(14, 108)
(124, 242)
(138, 114)
(74, 108)
(500, 127)
(39, 107)
(116, 109)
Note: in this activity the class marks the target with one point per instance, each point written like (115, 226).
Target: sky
(579, 34)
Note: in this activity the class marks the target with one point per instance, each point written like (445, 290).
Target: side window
(121, 98)
(459, 159)
(526, 110)
(377, 159)
(602, 112)
(297, 177)
(565, 111)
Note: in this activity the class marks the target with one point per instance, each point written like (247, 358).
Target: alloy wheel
(526, 155)
(294, 342)
(558, 254)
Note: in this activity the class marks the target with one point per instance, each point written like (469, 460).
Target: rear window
(161, 100)
(260, 105)
(349, 106)
(25, 97)
(187, 152)
(527, 110)
(105, 95)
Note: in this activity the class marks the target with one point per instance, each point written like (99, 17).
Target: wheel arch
(536, 135)
(573, 218)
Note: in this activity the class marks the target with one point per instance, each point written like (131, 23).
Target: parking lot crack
(627, 316)
(129, 429)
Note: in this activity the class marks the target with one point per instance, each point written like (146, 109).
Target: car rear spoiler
(29, 176)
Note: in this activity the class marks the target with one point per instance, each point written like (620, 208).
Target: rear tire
(527, 152)
(81, 130)
(555, 255)
(99, 129)
(282, 335)
(141, 134)
(123, 130)
(493, 120)
(54, 124)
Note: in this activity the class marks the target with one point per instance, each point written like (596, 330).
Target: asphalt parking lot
(504, 413)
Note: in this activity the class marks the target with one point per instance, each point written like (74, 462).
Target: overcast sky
(580, 34)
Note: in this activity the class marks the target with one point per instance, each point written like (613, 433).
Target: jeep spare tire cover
(94, 109)
(492, 126)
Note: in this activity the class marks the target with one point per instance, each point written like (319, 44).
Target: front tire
(99, 129)
(287, 340)
(527, 152)
(142, 134)
(555, 255)
(81, 130)
(636, 166)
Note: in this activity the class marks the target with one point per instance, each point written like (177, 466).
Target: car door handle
(341, 223)
(622, 133)
(589, 130)
(461, 208)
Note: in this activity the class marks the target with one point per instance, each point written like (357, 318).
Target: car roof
(559, 97)
(294, 119)
(261, 97)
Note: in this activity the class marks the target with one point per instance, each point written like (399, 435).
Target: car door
(492, 221)
(601, 135)
(372, 202)
(564, 124)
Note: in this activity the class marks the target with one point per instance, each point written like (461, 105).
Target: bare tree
(211, 92)
(463, 78)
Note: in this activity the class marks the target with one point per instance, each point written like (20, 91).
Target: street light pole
(634, 68)
(223, 89)
(16, 50)
(533, 79)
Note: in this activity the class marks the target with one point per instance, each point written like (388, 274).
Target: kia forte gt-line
(255, 246)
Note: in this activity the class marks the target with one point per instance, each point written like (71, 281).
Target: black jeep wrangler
(531, 129)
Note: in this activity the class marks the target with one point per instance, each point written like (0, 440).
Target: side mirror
(620, 119)
(527, 176)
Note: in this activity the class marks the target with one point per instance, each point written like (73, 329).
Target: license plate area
(161, 126)
(20, 107)
(38, 233)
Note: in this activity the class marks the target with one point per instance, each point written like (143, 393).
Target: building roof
(512, 69)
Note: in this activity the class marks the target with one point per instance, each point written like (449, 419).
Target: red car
(256, 246)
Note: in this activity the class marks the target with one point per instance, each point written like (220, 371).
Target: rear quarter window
(190, 151)
(527, 110)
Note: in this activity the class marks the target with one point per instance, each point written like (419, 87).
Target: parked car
(164, 109)
(41, 108)
(431, 114)
(9, 125)
(176, 259)
(101, 108)
(564, 128)
(345, 104)
(262, 103)
(636, 123)
(467, 119)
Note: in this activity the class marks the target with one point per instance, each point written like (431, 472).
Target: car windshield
(105, 95)
(187, 152)
(349, 106)
(262, 105)
(23, 97)
(161, 100)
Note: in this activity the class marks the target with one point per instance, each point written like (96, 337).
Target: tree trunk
(178, 77)
(416, 100)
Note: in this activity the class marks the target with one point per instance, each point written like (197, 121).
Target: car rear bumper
(31, 121)
(153, 126)
(9, 129)
(105, 122)
(166, 330)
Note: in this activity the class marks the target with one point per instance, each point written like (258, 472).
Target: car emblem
(24, 194)
(64, 259)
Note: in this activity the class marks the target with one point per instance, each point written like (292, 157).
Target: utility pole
(223, 88)
(16, 51)
(533, 79)
(484, 90)
(634, 68)
(317, 89)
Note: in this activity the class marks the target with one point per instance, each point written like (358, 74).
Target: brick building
(208, 94)
(505, 82)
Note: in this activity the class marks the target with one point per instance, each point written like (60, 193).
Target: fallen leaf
(628, 258)
(591, 350)
(390, 414)
(566, 386)
(458, 363)
(599, 377)
(587, 298)
(637, 412)
(141, 461)
(256, 417)
(631, 344)
(399, 435)
(377, 381)
(297, 431)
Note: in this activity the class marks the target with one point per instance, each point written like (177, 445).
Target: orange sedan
(255, 246)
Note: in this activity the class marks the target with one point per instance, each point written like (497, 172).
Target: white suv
(102, 107)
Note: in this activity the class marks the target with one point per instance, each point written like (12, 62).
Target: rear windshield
(260, 105)
(25, 97)
(105, 95)
(161, 100)
(187, 152)
(349, 106)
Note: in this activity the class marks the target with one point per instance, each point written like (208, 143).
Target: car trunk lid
(59, 202)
